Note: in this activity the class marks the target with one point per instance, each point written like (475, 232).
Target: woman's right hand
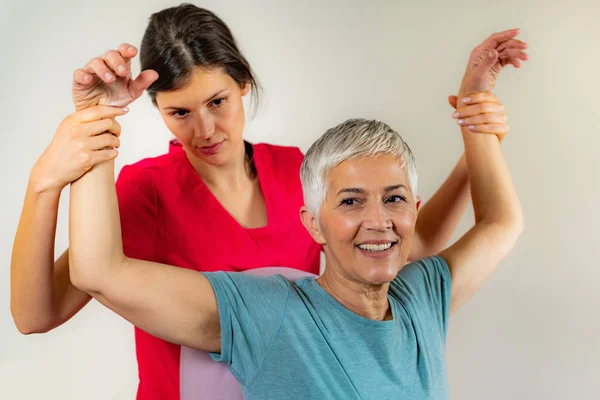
(82, 140)
(107, 80)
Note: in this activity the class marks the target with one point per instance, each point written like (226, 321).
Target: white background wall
(531, 333)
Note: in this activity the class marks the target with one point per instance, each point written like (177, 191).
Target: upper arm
(475, 256)
(174, 304)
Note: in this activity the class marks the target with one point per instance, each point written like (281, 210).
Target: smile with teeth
(376, 247)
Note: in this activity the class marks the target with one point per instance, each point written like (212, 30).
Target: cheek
(341, 228)
(232, 119)
(405, 223)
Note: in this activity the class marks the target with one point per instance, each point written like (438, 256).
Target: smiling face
(206, 115)
(367, 219)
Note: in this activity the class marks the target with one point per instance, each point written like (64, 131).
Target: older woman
(371, 325)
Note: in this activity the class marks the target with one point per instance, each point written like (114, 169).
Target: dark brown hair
(180, 39)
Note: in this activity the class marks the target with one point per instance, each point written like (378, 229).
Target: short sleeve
(429, 286)
(251, 312)
(137, 210)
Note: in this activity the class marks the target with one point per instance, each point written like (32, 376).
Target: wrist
(40, 184)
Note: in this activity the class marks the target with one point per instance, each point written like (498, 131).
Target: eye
(180, 113)
(352, 201)
(218, 102)
(395, 199)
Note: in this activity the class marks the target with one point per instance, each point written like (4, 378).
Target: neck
(368, 301)
(230, 175)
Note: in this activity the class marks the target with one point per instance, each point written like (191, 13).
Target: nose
(205, 126)
(377, 218)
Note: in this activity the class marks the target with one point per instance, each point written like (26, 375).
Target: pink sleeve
(138, 212)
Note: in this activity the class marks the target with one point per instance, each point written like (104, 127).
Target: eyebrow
(205, 101)
(387, 189)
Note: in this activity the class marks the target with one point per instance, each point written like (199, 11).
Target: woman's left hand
(482, 113)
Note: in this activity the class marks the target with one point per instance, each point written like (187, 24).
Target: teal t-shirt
(292, 340)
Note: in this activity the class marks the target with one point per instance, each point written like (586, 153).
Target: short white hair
(354, 138)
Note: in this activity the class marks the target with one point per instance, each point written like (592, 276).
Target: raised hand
(107, 80)
(82, 140)
(488, 59)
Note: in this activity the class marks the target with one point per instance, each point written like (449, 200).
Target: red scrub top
(168, 215)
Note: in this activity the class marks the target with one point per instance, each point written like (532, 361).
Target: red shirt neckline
(192, 179)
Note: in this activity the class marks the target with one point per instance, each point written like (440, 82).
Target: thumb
(142, 82)
(452, 101)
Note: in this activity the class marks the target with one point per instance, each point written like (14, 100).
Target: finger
(98, 66)
(115, 128)
(142, 82)
(512, 56)
(483, 119)
(96, 157)
(481, 108)
(481, 97)
(513, 53)
(103, 141)
(127, 51)
(512, 61)
(452, 101)
(95, 128)
(81, 77)
(496, 129)
(513, 44)
(116, 62)
(498, 38)
(99, 112)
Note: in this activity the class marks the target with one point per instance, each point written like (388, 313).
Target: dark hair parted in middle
(180, 39)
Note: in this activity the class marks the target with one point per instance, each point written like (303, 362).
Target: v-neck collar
(193, 181)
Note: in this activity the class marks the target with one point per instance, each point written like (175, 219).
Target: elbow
(516, 223)
(508, 231)
(80, 276)
(29, 326)
(92, 274)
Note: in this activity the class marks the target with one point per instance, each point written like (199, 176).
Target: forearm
(495, 200)
(439, 217)
(96, 249)
(34, 295)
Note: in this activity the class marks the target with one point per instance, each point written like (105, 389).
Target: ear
(245, 88)
(311, 224)
(418, 204)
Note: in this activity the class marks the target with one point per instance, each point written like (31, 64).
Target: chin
(382, 274)
(217, 159)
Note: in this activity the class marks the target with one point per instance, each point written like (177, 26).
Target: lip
(212, 149)
(378, 254)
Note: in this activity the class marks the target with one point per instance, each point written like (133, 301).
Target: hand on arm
(439, 217)
(42, 296)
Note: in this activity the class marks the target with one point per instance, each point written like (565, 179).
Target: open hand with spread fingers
(107, 80)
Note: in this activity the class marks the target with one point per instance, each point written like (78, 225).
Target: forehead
(200, 86)
(371, 172)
